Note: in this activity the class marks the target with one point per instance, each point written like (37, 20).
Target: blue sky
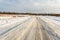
(38, 6)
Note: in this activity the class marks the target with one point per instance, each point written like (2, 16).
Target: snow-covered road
(30, 28)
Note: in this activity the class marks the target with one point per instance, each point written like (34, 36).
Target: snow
(9, 22)
(53, 23)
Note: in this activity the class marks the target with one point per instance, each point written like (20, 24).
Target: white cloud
(36, 4)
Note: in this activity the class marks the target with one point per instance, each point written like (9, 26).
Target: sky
(32, 6)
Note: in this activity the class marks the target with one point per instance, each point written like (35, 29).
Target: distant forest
(38, 14)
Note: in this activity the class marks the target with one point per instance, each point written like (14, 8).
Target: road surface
(30, 28)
